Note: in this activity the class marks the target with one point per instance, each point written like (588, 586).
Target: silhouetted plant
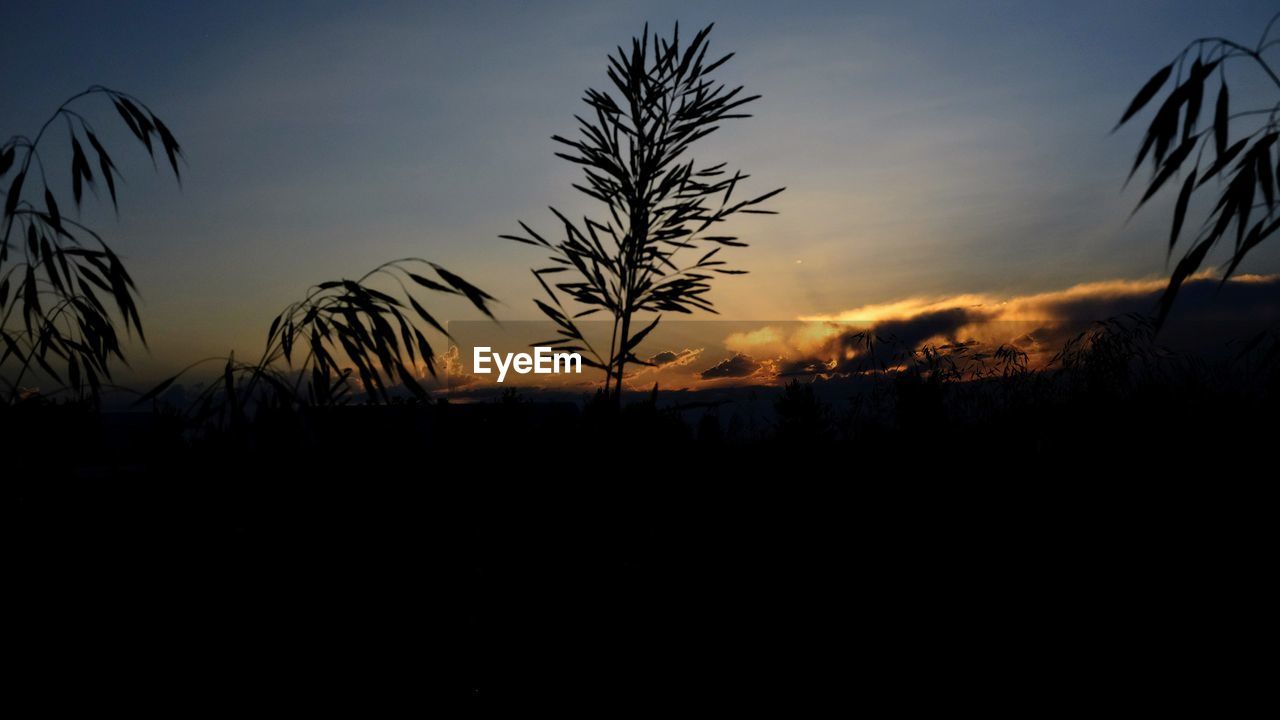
(1173, 138)
(1115, 354)
(1257, 361)
(63, 265)
(338, 322)
(631, 150)
(802, 417)
(875, 353)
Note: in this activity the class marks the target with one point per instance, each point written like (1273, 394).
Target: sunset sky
(930, 150)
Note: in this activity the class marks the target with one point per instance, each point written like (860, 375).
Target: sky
(929, 150)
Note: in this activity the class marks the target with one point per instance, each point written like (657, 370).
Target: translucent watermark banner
(485, 358)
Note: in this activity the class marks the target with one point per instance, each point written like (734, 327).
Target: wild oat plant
(345, 341)
(63, 290)
(632, 148)
(1241, 143)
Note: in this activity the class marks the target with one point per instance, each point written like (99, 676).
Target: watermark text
(543, 361)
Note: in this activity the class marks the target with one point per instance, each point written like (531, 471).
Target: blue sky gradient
(928, 148)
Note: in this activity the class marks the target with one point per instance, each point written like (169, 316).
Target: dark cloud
(804, 366)
(738, 366)
(886, 342)
(913, 332)
(1207, 315)
(674, 358)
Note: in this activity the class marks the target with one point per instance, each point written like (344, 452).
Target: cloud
(942, 324)
(826, 346)
(1085, 301)
(451, 371)
(805, 366)
(670, 358)
(738, 366)
(769, 339)
(1207, 315)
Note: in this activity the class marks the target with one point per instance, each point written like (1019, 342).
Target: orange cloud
(1208, 314)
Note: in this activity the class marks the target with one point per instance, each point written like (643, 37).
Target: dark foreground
(1102, 547)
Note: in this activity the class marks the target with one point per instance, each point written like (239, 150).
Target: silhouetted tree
(1174, 140)
(54, 271)
(632, 150)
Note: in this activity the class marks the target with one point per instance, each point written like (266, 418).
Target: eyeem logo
(542, 362)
